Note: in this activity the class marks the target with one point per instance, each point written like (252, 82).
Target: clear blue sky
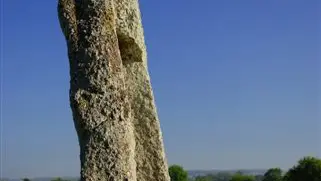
(237, 84)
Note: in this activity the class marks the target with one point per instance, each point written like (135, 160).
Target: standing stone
(110, 92)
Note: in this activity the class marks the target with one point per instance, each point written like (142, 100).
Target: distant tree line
(307, 169)
(55, 179)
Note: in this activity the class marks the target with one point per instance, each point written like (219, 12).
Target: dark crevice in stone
(129, 50)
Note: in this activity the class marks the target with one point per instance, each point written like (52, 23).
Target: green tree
(177, 173)
(259, 177)
(241, 177)
(25, 179)
(307, 169)
(273, 174)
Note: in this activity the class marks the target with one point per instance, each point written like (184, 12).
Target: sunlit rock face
(110, 92)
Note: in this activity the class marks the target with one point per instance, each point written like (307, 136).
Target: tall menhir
(110, 92)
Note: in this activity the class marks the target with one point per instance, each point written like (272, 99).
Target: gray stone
(110, 91)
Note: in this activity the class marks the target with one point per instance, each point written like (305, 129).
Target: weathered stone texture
(110, 91)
